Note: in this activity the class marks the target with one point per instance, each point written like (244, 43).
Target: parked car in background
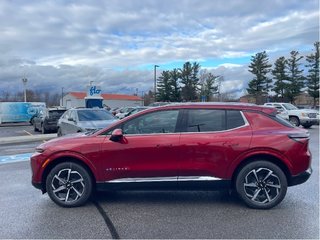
(135, 110)
(32, 118)
(83, 120)
(304, 117)
(244, 147)
(123, 111)
(47, 119)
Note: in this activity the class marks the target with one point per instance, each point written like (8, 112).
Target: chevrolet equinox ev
(243, 147)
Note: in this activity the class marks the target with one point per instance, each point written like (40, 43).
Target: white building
(77, 99)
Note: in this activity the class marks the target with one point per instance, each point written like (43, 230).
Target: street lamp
(155, 81)
(62, 97)
(24, 81)
(220, 79)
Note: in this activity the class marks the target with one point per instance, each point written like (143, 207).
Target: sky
(116, 43)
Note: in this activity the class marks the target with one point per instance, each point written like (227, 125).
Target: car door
(210, 141)
(148, 153)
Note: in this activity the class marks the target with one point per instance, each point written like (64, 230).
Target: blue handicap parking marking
(15, 158)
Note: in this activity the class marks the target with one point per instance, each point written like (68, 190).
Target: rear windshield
(94, 115)
(56, 113)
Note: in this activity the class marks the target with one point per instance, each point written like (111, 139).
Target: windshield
(289, 106)
(94, 115)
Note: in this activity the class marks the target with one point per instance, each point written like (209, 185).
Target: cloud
(69, 43)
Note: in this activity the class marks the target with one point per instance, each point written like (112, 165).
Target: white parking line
(15, 158)
(28, 133)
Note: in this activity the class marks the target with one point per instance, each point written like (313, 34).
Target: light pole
(62, 97)
(24, 81)
(155, 82)
(219, 78)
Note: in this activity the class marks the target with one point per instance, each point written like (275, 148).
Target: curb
(22, 139)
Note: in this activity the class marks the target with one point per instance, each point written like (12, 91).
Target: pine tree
(174, 82)
(280, 77)
(164, 90)
(313, 73)
(295, 76)
(259, 67)
(190, 80)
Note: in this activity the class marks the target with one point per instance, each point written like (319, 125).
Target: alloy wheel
(262, 185)
(68, 185)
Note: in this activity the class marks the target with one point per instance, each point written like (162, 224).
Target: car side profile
(188, 146)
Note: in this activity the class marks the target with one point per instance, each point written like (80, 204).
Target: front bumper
(300, 178)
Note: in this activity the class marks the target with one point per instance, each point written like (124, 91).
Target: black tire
(43, 129)
(59, 133)
(261, 184)
(307, 126)
(75, 183)
(294, 121)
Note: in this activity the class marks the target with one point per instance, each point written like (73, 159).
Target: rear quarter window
(234, 119)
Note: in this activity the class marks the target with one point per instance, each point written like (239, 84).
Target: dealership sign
(94, 91)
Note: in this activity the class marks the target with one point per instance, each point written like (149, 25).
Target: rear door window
(212, 120)
(206, 120)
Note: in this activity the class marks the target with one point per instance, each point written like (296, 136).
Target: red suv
(181, 146)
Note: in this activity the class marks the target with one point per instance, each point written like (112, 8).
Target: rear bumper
(300, 178)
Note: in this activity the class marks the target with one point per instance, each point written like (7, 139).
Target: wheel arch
(62, 159)
(266, 157)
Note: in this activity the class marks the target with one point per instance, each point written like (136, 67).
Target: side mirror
(71, 119)
(116, 135)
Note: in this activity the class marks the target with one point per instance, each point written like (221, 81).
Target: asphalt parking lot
(26, 213)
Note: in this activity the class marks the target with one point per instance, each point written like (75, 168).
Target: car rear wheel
(261, 184)
(69, 185)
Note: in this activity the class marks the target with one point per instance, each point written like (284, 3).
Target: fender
(72, 154)
(258, 151)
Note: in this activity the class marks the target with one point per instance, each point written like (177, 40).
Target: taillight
(299, 137)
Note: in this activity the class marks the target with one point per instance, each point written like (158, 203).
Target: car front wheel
(295, 121)
(69, 184)
(261, 184)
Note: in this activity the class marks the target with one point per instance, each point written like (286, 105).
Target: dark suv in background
(247, 148)
(47, 119)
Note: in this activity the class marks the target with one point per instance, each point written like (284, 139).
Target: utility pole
(155, 82)
(24, 81)
(62, 97)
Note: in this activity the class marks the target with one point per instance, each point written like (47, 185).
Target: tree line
(50, 98)
(286, 79)
(188, 83)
